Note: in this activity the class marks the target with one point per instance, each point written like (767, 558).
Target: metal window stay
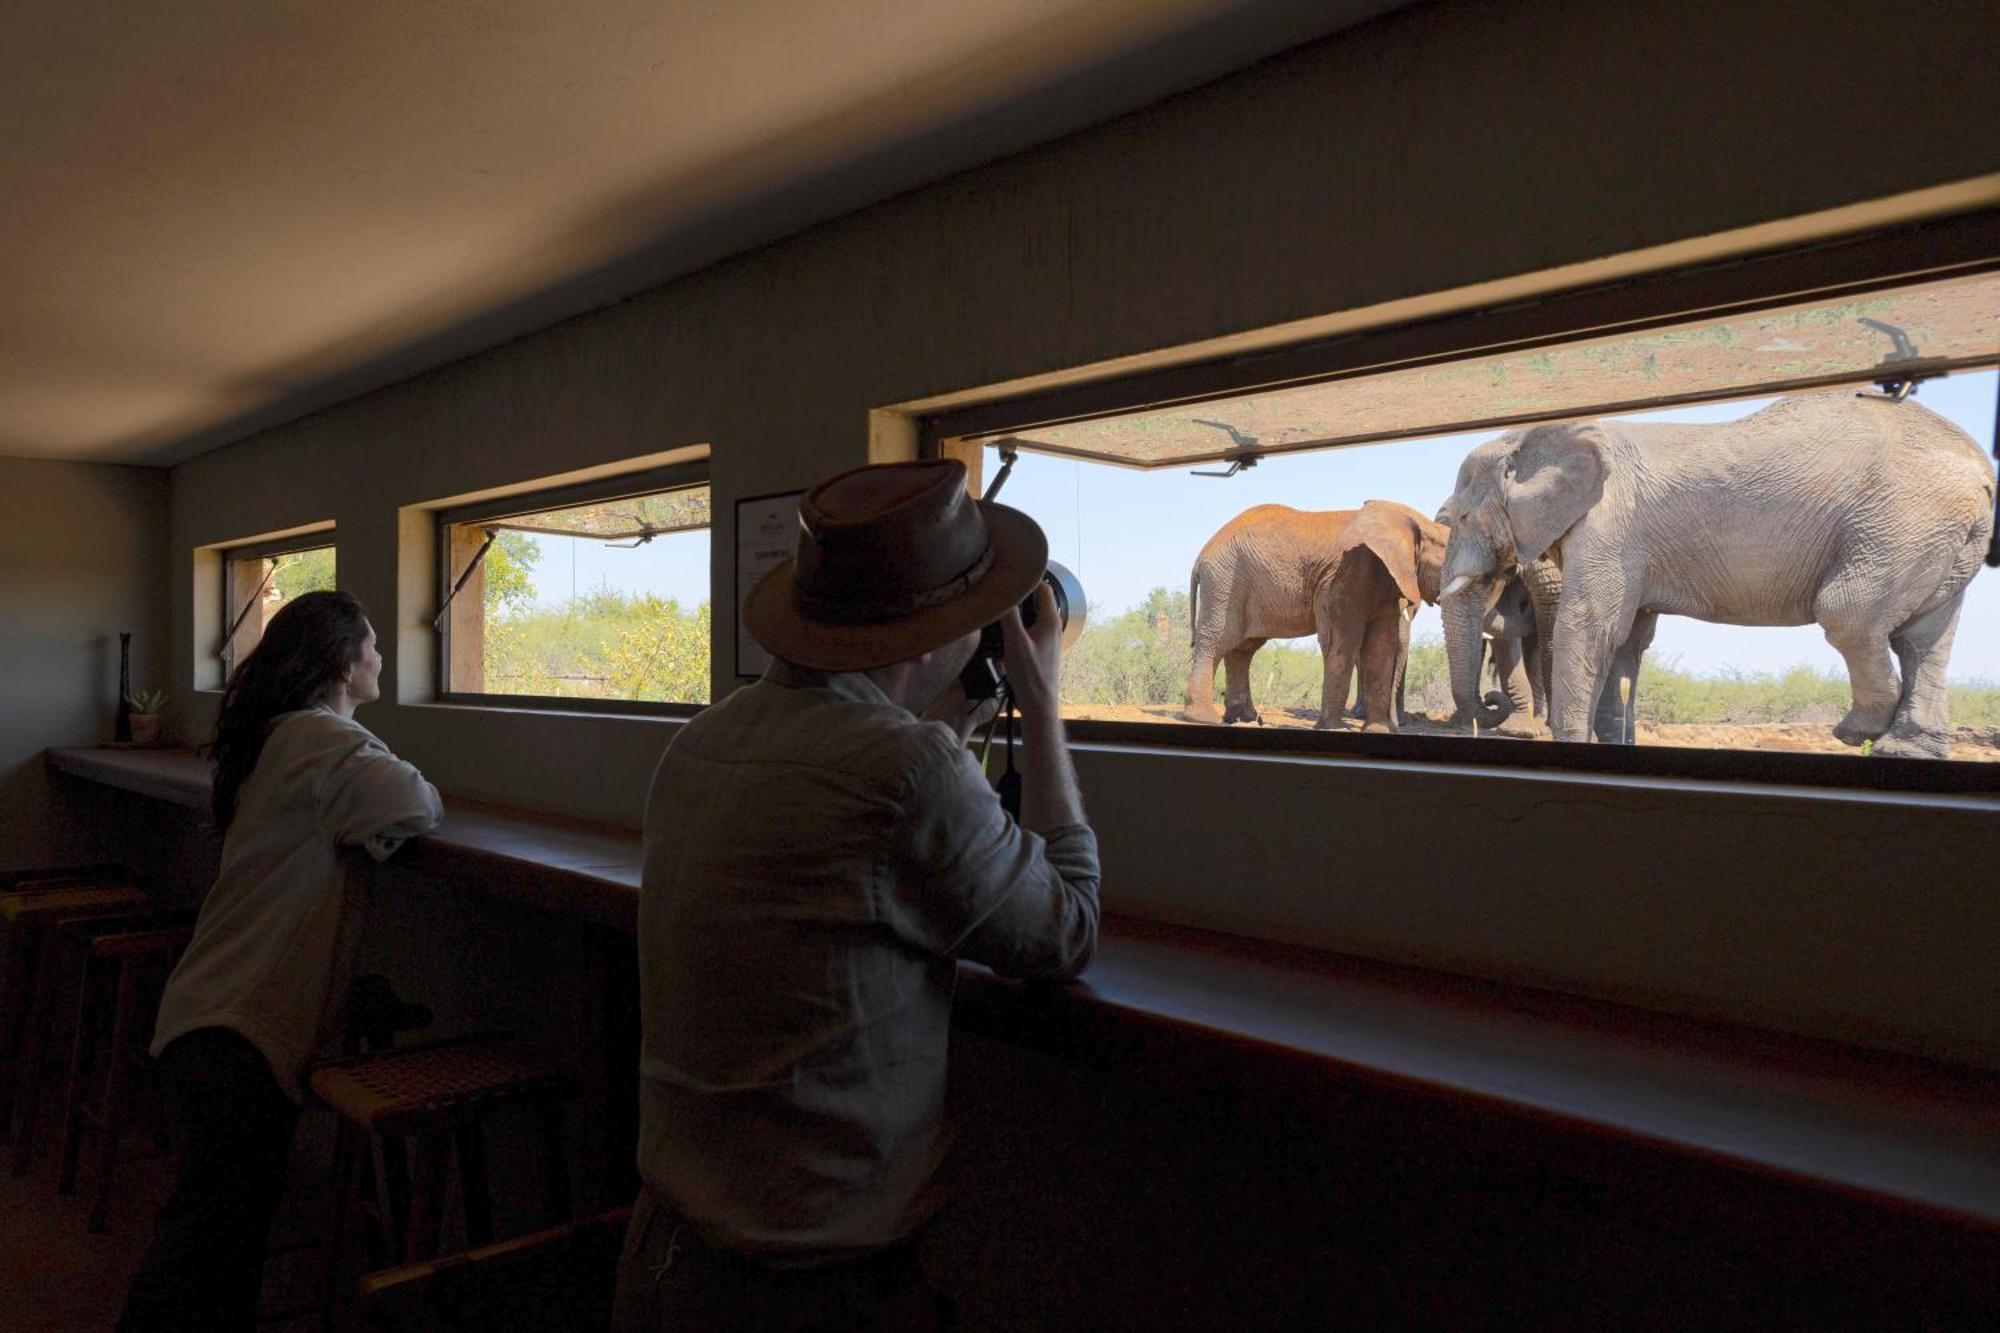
(471, 566)
(643, 533)
(229, 635)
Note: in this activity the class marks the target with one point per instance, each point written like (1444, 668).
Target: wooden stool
(129, 958)
(561, 1280)
(101, 872)
(374, 1017)
(437, 1098)
(26, 911)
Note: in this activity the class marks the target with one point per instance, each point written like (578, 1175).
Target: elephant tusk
(1458, 584)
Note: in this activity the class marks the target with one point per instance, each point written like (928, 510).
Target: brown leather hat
(892, 561)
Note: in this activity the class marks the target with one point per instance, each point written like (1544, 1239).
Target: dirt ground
(1981, 744)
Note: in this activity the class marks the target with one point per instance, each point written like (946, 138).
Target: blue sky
(1126, 532)
(674, 566)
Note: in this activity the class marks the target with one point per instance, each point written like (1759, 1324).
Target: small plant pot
(145, 728)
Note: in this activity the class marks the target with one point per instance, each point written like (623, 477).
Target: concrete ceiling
(222, 216)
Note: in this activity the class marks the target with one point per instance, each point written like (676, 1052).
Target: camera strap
(1009, 785)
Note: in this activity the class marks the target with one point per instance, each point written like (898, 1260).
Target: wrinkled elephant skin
(1349, 576)
(1865, 516)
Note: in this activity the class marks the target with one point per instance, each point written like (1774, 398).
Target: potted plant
(147, 705)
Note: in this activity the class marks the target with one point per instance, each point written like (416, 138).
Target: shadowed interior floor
(55, 1277)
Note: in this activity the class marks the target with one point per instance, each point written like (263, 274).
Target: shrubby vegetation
(301, 572)
(1143, 655)
(1798, 695)
(602, 644)
(607, 644)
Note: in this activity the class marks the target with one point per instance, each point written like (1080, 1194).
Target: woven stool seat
(423, 1108)
(42, 877)
(419, 1088)
(19, 905)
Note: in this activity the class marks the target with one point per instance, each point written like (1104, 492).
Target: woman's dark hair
(306, 648)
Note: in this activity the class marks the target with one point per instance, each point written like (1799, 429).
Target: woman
(259, 991)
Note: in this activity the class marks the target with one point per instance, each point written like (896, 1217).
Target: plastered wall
(82, 557)
(1442, 146)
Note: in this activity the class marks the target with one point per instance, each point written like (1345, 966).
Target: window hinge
(1009, 455)
(1895, 387)
(1241, 462)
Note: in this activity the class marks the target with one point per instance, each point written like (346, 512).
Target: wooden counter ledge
(1895, 1154)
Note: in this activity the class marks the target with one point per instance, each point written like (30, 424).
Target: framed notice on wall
(766, 533)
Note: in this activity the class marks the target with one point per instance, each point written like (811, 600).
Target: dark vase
(121, 729)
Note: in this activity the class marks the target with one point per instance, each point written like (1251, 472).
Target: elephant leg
(1538, 685)
(1510, 676)
(1201, 684)
(1853, 627)
(1237, 705)
(1338, 656)
(1381, 649)
(1618, 703)
(1921, 726)
(1402, 709)
(1342, 611)
(1589, 631)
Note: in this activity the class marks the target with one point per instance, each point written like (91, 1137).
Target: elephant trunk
(1545, 585)
(1465, 646)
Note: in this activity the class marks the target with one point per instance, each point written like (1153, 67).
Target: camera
(982, 676)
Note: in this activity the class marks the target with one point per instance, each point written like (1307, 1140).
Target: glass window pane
(259, 586)
(600, 601)
(1133, 537)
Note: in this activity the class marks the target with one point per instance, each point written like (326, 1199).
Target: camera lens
(982, 674)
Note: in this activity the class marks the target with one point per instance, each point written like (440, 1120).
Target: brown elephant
(1351, 576)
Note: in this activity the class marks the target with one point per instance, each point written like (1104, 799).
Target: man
(820, 848)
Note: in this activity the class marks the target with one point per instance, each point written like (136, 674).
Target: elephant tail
(1194, 612)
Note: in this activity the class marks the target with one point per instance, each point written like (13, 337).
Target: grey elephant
(1507, 610)
(1865, 516)
(1511, 629)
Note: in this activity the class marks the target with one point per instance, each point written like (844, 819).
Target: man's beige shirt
(816, 858)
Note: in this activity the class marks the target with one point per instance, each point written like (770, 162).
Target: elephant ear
(1392, 533)
(1549, 481)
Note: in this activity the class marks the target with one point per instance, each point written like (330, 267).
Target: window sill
(1980, 800)
(1768, 769)
(557, 707)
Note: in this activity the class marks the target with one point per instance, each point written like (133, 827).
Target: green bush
(603, 644)
(302, 572)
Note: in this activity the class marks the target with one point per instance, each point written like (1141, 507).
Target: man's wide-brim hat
(892, 561)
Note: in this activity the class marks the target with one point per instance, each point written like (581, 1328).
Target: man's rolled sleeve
(971, 883)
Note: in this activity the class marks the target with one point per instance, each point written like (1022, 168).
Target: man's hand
(1049, 795)
(959, 713)
(1034, 657)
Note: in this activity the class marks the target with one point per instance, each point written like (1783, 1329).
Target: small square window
(258, 580)
(589, 597)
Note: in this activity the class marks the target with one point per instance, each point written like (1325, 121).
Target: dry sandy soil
(1975, 743)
